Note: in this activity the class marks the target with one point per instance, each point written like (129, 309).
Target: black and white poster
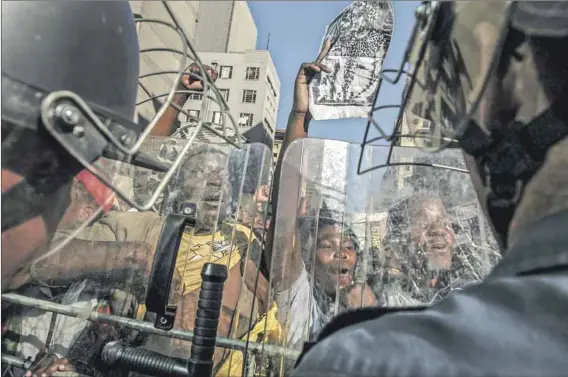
(360, 36)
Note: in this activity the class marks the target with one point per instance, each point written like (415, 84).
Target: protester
(121, 248)
(514, 140)
(306, 291)
(326, 278)
(421, 261)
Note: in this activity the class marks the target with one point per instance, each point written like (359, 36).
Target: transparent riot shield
(113, 284)
(407, 234)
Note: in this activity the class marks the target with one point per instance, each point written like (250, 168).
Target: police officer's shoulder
(538, 236)
(539, 248)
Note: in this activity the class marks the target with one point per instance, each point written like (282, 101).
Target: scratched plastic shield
(407, 234)
(221, 187)
(103, 270)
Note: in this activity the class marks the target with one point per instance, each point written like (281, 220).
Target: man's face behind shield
(204, 181)
(336, 258)
(420, 237)
(430, 229)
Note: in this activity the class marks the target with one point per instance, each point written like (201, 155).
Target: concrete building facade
(224, 35)
(225, 26)
(251, 87)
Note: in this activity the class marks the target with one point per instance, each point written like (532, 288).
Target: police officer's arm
(87, 259)
(297, 128)
(480, 331)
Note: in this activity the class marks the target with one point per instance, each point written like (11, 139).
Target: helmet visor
(452, 60)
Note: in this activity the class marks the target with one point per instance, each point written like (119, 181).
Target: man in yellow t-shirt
(205, 182)
(120, 245)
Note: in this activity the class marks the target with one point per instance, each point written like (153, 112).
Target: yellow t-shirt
(267, 328)
(196, 250)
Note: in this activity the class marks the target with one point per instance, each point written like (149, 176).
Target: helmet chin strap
(508, 159)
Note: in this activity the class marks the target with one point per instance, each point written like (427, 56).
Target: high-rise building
(224, 35)
(226, 38)
(225, 26)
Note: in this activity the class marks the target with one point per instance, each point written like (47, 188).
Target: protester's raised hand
(305, 75)
(192, 78)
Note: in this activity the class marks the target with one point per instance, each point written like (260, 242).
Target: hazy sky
(296, 29)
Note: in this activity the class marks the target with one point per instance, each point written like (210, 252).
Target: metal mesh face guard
(408, 233)
(452, 53)
(88, 133)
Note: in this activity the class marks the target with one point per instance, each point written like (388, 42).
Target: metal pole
(147, 327)
(19, 363)
(16, 362)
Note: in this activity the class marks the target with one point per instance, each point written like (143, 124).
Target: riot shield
(101, 289)
(407, 234)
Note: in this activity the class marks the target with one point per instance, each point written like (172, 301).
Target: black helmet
(87, 53)
(87, 47)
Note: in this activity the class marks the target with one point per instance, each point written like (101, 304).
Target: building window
(193, 115)
(424, 125)
(195, 96)
(271, 86)
(226, 72)
(270, 104)
(224, 93)
(245, 120)
(216, 118)
(252, 73)
(249, 96)
(267, 123)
